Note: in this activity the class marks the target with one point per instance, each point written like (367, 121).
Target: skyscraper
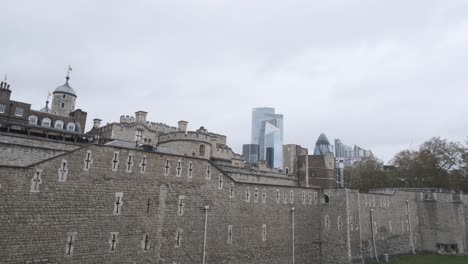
(267, 132)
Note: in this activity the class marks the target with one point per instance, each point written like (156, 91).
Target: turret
(64, 99)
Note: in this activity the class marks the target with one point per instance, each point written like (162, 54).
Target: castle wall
(17, 151)
(333, 226)
(440, 221)
(86, 209)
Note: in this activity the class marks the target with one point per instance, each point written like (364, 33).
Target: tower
(267, 132)
(64, 98)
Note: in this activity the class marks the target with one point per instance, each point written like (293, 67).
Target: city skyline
(381, 83)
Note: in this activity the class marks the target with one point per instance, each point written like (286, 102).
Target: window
(138, 135)
(2, 108)
(202, 150)
(64, 96)
(19, 111)
(46, 122)
(71, 126)
(33, 120)
(63, 105)
(59, 124)
(325, 199)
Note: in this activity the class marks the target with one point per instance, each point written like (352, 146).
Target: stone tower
(64, 99)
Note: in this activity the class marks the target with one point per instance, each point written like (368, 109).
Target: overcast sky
(385, 75)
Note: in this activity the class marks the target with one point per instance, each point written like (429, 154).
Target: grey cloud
(381, 74)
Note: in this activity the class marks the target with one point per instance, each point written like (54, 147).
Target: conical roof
(65, 88)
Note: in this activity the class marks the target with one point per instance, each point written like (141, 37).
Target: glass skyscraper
(267, 133)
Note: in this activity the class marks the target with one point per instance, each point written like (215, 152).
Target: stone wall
(79, 217)
(18, 151)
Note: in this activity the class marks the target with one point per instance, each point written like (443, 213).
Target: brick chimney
(5, 91)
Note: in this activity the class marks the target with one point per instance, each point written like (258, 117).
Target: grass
(429, 259)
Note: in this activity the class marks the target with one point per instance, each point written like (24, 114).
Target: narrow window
(402, 226)
(2, 108)
(303, 197)
(390, 229)
(190, 170)
(287, 170)
(264, 196)
(36, 181)
(208, 172)
(71, 238)
(256, 195)
(310, 197)
(220, 181)
(278, 196)
(351, 224)
(88, 161)
(264, 232)
(339, 223)
(179, 168)
(178, 238)
(291, 197)
(115, 161)
(143, 165)
(145, 244)
(63, 105)
(129, 163)
(247, 194)
(327, 222)
(113, 241)
(201, 151)
(231, 191)
(118, 203)
(285, 197)
(230, 234)
(63, 171)
(166, 168)
(64, 96)
(148, 206)
(181, 205)
(315, 197)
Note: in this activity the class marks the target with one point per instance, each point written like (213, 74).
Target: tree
(437, 163)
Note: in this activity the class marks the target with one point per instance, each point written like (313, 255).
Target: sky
(385, 75)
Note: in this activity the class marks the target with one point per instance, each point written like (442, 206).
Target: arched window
(59, 124)
(202, 150)
(71, 126)
(325, 199)
(46, 122)
(33, 120)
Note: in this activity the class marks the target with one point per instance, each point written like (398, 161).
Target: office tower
(322, 146)
(250, 153)
(267, 132)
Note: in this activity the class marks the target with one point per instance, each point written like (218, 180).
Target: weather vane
(69, 69)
